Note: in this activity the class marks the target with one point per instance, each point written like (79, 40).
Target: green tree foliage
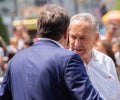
(117, 5)
(3, 32)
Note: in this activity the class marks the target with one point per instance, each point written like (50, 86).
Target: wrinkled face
(82, 37)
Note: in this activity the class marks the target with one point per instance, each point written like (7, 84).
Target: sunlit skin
(82, 37)
(115, 47)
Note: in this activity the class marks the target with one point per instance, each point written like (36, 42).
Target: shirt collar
(52, 41)
(93, 56)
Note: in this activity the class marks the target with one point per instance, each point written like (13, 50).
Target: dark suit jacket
(45, 71)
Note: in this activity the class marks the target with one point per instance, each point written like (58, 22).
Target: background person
(116, 50)
(110, 33)
(105, 47)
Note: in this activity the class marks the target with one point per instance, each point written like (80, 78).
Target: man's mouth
(79, 50)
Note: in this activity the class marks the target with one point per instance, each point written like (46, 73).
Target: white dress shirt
(102, 73)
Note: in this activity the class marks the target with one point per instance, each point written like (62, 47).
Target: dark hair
(108, 47)
(14, 29)
(28, 43)
(52, 22)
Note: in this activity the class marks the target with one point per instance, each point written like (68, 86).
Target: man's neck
(87, 58)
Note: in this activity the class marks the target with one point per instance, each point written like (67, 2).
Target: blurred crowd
(19, 41)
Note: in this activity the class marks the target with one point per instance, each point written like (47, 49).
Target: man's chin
(79, 53)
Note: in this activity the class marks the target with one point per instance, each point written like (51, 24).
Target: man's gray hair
(87, 17)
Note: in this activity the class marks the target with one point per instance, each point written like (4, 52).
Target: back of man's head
(52, 22)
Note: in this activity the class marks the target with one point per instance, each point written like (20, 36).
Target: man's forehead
(80, 24)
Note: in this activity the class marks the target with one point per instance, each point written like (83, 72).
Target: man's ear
(66, 34)
(96, 37)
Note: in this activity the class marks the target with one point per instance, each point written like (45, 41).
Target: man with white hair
(83, 34)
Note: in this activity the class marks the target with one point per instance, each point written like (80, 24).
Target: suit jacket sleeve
(78, 81)
(5, 93)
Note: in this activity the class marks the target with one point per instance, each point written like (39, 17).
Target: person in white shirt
(83, 34)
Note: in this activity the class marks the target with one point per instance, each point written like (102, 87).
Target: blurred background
(18, 21)
(12, 10)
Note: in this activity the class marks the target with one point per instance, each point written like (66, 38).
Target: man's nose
(78, 43)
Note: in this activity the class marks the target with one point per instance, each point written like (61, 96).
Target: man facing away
(47, 71)
(83, 34)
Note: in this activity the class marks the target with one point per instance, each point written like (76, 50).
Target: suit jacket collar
(46, 41)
